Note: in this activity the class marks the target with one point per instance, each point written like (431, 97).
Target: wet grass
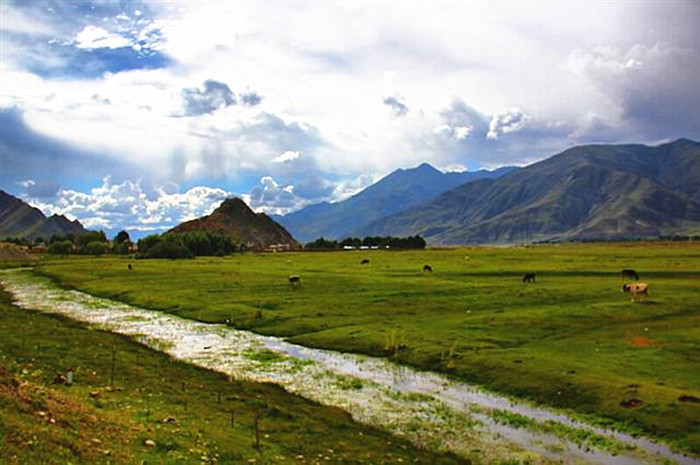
(192, 415)
(571, 340)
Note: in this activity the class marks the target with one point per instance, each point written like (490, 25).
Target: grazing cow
(365, 261)
(529, 278)
(427, 268)
(294, 280)
(631, 274)
(636, 290)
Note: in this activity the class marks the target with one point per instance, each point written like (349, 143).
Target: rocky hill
(234, 218)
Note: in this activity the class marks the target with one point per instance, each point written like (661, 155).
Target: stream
(426, 408)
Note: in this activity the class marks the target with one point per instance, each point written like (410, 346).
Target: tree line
(169, 245)
(382, 242)
(186, 245)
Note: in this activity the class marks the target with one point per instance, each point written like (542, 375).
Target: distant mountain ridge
(586, 192)
(234, 218)
(400, 190)
(19, 219)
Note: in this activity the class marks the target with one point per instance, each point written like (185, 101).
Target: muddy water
(426, 408)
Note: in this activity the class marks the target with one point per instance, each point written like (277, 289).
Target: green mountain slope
(397, 191)
(587, 192)
(19, 219)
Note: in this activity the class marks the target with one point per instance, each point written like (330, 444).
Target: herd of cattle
(637, 291)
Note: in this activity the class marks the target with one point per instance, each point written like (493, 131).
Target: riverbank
(429, 410)
(192, 415)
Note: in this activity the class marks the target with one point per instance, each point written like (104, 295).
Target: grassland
(570, 340)
(191, 415)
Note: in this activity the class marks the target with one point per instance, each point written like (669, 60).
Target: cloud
(286, 157)
(115, 206)
(654, 87)
(398, 107)
(81, 40)
(507, 121)
(617, 72)
(27, 156)
(250, 98)
(93, 37)
(46, 189)
(215, 95)
(271, 197)
(457, 132)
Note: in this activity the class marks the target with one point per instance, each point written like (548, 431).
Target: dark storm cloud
(28, 155)
(655, 87)
(398, 108)
(213, 96)
(250, 98)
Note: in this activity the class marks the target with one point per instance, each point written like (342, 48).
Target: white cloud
(507, 121)
(127, 206)
(462, 132)
(92, 37)
(286, 157)
(271, 197)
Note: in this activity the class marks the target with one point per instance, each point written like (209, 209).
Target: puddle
(426, 408)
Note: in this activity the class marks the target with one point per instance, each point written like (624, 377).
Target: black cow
(529, 278)
(294, 280)
(130, 267)
(631, 274)
(364, 261)
(427, 268)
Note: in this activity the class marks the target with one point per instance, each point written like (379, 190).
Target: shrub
(61, 248)
(96, 248)
(166, 249)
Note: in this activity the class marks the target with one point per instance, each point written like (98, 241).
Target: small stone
(149, 443)
(95, 394)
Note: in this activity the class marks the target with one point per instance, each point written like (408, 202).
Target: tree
(121, 237)
(61, 248)
(96, 248)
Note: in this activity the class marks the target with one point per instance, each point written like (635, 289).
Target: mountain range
(18, 219)
(234, 218)
(398, 191)
(586, 192)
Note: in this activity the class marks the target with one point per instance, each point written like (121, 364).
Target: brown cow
(636, 290)
(529, 278)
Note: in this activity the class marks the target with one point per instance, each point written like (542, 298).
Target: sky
(139, 115)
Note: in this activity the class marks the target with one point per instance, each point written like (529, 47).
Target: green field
(571, 340)
(186, 411)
